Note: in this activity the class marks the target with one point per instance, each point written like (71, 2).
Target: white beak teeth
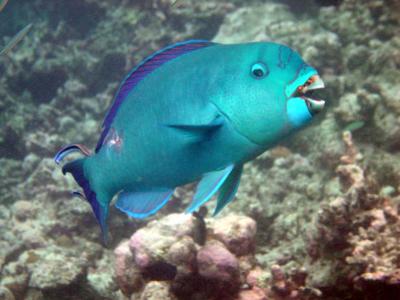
(315, 106)
(317, 84)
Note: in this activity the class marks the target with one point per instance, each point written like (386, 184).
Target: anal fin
(143, 204)
(198, 132)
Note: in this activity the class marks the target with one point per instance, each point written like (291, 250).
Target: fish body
(3, 4)
(193, 111)
(15, 40)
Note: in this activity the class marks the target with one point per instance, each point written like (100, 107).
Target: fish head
(269, 92)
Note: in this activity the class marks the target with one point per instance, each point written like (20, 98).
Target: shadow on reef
(42, 85)
(308, 6)
(79, 16)
(366, 291)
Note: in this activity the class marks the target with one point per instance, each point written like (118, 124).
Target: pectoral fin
(198, 132)
(143, 204)
(208, 186)
(229, 188)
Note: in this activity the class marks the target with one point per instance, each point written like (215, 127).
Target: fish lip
(314, 82)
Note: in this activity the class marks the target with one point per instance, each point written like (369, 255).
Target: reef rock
(236, 232)
(128, 276)
(169, 250)
(217, 263)
(253, 294)
(154, 243)
(155, 290)
(55, 270)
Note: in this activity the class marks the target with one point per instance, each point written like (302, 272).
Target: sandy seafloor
(315, 218)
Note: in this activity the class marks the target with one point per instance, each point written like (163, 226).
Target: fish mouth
(305, 91)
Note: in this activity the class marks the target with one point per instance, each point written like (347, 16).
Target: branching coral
(358, 232)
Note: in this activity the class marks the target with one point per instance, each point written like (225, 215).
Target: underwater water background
(316, 217)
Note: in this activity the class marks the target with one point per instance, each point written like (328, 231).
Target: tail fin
(98, 201)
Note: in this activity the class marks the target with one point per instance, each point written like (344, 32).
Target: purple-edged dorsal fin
(147, 66)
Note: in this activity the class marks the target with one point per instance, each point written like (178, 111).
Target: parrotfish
(193, 111)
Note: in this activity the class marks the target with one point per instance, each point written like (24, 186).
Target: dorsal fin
(147, 66)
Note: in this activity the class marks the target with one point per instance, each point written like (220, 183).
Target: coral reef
(360, 228)
(325, 203)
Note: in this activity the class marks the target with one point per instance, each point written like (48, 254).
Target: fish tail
(98, 199)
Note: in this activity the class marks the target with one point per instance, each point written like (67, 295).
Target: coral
(168, 249)
(101, 278)
(361, 227)
(215, 262)
(23, 210)
(5, 294)
(128, 277)
(236, 232)
(291, 287)
(157, 240)
(53, 270)
(253, 294)
(44, 270)
(155, 290)
(215, 272)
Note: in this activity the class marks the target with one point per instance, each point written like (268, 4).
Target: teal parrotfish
(195, 110)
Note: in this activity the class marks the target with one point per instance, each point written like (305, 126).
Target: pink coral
(127, 276)
(166, 249)
(253, 277)
(216, 262)
(236, 232)
(253, 294)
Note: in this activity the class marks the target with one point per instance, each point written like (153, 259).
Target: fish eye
(259, 70)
